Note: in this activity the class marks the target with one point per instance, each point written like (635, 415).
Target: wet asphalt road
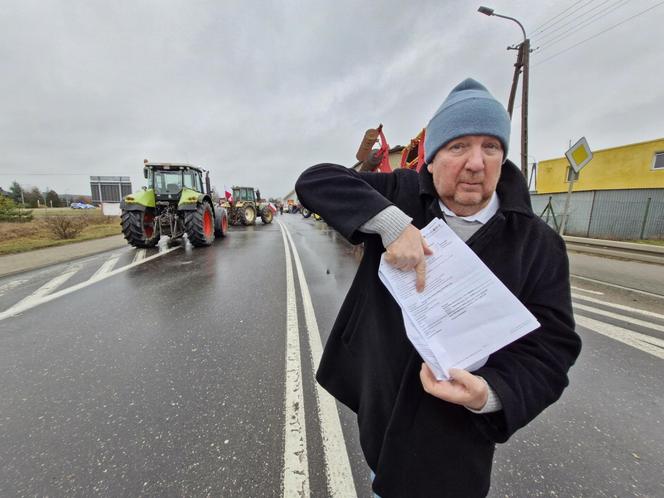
(168, 380)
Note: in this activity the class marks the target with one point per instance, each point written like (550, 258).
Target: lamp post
(522, 63)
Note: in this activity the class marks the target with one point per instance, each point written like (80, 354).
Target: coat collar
(512, 190)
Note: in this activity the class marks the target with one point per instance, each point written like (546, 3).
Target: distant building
(109, 188)
(619, 194)
(290, 195)
(633, 166)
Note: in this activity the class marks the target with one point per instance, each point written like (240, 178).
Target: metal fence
(606, 214)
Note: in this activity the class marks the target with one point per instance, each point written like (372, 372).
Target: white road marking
(140, 254)
(24, 306)
(43, 292)
(12, 285)
(339, 475)
(295, 478)
(617, 316)
(588, 291)
(646, 293)
(619, 306)
(646, 343)
(106, 267)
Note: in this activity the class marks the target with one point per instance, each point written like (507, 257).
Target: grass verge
(651, 242)
(22, 237)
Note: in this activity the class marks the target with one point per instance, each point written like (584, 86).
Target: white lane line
(339, 476)
(106, 267)
(140, 254)
(618, 306)
(646, 343)
(646, 293)
(16, 309)
(295, 478)
(588, 291)
(617, 316)
(43, 292)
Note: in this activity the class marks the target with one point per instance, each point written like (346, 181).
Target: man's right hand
(408, 252)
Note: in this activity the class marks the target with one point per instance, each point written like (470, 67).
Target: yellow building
(633, 166)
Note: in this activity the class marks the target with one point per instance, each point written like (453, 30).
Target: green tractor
(246, 205)
(176, 201)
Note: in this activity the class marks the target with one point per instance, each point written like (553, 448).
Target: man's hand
(408, 253)
(464, 389)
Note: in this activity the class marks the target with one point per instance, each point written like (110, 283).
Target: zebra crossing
(638, 328)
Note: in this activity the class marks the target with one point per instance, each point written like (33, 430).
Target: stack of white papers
(465, 312)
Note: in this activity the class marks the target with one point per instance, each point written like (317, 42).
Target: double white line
(295, 479)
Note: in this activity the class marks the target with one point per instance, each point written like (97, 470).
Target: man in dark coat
(423, 437)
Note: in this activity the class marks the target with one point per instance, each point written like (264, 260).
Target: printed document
(465, 312)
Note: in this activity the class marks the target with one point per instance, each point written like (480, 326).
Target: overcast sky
(257, 91)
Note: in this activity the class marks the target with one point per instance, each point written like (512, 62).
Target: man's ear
(429, 168)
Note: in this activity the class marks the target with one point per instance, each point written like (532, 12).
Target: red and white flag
(273, 208)
(228, 194)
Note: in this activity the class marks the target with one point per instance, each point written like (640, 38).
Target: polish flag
(273, 208)
(228, 194)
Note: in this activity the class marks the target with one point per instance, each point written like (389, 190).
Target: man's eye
(493, 146)
(456, 146)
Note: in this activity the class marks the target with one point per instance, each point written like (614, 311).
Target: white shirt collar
(483, 215)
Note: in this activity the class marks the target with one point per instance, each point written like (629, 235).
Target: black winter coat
(419, 445)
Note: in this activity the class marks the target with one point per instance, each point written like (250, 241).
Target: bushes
(11, 213)
(65, 227)
(47, 231)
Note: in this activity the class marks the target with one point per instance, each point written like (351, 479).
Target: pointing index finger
(420, 272)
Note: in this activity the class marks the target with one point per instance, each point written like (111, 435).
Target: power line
(600, 33)
(539, 28)
(580, 19)
(566, 34)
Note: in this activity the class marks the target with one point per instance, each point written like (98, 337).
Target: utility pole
(522, 63)
(518, 65)
(525, 49)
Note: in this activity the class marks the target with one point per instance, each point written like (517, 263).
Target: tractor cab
(244, 194)
(168, 180)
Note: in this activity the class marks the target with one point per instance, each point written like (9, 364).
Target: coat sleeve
(345, 198)
(531, 373)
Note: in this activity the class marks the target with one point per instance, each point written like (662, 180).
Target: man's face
(466, 171)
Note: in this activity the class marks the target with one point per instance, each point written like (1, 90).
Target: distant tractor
(176, 201)
(246, 205)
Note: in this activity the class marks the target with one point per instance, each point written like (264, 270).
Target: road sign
(579, 154)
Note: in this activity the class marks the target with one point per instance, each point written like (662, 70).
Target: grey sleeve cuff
(493, 403)
(389, 224)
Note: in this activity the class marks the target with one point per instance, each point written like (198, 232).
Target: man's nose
(475, 160)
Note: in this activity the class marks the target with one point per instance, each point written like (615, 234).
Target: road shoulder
(39, 258)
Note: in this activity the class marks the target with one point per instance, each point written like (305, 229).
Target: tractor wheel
(221, 224)
(138, 228)
(199, 225)
(248, 215)
(266, 215)
(306, 213)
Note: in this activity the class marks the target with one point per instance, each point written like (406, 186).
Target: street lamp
(522, 61)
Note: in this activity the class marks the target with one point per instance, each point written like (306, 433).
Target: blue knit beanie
(469, 109)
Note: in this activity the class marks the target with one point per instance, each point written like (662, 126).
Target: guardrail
(616, 249)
